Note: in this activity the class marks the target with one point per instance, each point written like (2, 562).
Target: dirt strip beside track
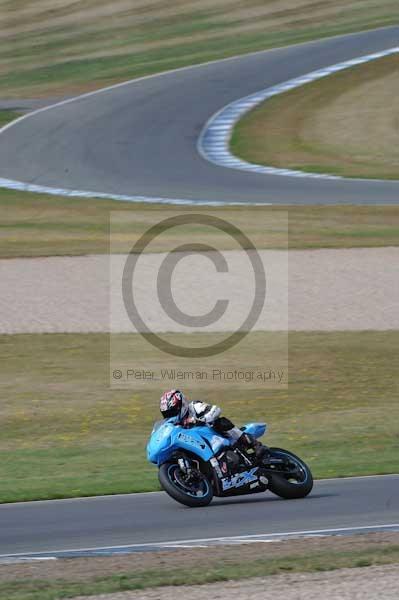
(344, 584)
(351, 289)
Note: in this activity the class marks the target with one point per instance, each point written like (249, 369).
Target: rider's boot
(249, 442)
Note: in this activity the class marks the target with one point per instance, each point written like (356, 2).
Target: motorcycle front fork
(185, 466)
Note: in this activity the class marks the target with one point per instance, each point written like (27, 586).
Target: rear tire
(287, 487)
(174, 486)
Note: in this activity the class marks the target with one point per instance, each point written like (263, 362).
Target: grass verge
(66, 433)
(345, 124)
(323, 560)
(43, 225)
(79, 46)
(6, 116)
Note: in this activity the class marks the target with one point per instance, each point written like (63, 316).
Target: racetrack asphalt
(150, 518)
(141, 138)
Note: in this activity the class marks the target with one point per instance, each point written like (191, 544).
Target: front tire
(297, 482)
(193, 494)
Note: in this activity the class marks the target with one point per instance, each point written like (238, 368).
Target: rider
(174, 404)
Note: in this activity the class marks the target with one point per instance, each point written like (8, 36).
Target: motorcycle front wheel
(294, 480)
(191, 491)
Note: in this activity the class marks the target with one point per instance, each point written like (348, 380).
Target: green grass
(6, 116)
(223, 570)
(42, 225)
(65, 433)
(81, 46)
(345, 124)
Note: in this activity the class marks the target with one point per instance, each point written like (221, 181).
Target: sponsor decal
(240, 479)
(188, 439)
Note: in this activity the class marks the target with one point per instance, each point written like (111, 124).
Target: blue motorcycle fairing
(255, 429)
(168, 437)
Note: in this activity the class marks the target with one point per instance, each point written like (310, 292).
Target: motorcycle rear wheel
(295, 484)
(193, 494)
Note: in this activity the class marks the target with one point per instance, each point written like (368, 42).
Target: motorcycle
(196, 464)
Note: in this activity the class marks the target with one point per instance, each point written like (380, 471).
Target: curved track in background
(154, 518)
(139, 138)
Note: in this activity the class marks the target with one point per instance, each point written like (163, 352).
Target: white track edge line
(43, 189)
(308, 532)
(214, 140)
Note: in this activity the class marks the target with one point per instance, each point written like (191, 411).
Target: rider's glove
(189, 422)
(206, 413)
